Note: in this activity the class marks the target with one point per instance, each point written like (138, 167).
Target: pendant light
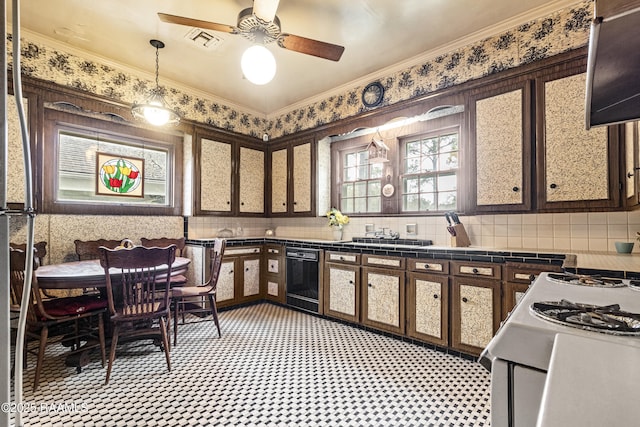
(377, 150)
(154, 109)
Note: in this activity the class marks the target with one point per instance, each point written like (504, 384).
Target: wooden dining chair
(162, 242)
(90, 249)
(72, 319)
(138, 289)
(40, 250)
(188, 299)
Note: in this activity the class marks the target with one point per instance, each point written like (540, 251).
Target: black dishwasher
(302, 278)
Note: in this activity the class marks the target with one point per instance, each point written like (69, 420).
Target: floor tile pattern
(272, 367)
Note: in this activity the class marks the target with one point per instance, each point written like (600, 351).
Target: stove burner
(586, 280)
(608, 319)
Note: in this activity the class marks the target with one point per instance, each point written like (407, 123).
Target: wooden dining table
(87, 274)
(83, 275)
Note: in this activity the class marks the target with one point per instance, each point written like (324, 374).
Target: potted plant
(336, 221)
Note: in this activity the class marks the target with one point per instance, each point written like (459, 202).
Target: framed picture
(119, 176)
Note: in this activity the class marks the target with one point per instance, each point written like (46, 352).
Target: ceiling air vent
(203, 39)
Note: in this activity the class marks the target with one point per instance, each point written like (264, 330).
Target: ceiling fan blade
(180, 20)
(311, 47)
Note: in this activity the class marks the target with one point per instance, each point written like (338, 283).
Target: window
(361, 183)
(429, 172)
(95, 166)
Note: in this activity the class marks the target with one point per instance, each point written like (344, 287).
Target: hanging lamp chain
(157, 67)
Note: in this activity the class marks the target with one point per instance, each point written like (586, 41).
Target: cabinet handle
(426, 266)
(475, 271)
(553, 186)
(516, 189)
(464, 299)
(629, 174)
(435, 296)
(532, 277)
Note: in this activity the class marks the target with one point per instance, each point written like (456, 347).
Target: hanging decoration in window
(378, 150)
(119, 176)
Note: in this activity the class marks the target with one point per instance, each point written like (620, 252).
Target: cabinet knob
(516, 189)
(435, 296)
(228, 202)
(464, 299)
(241, 203)
(553, 186)
(426, 266)
(351, 282)
(341, 258)
(295, 203)
(475, 271)
(532, 277)
(246, 269)
(370, 285)
(284, 204)
(629, 174)
(230, 271)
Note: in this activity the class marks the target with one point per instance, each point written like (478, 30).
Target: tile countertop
(620, 265)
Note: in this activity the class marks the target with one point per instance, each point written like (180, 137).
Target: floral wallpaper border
(562, 31)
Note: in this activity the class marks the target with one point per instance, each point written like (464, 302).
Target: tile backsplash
(575, 232)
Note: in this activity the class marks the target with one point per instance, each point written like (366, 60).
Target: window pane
(360, 204)
(374, 188)
(449, 161)
(430, 146)
(447, 201)
(346, 204)
(363, 172)
(429, 164)
(350, 174)
(360, 189)
(412, 165)
(410, 202)
(427, 184)
(347, 190)
(413, 149)
(375, 204)
(449, 143)
(446, 182)
(427, 202)
(376, 170)
(350, 160)
(410, 185)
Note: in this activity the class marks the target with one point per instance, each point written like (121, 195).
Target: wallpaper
(563, 30)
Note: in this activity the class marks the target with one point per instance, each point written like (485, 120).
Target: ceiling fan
(260, 24)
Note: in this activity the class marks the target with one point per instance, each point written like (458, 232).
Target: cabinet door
(301, 178)
(513, 293)
(250, 277)
(577, 168)
(251, 181)
(215, 176)
(501, 131)
(279, 170)
(475, 305)
(225, 293)
(427, 308)
(631, 162)
(383, 299)
(275, 287)
(342, 291)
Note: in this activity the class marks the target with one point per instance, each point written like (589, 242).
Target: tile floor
(272, 367)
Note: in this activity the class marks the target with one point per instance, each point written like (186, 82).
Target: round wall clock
(372, 94)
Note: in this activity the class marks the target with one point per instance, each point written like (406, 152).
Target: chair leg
(214, 313)
(103, 346)
(176, 304)
(165, 341)
(112, 353)
(44, 336)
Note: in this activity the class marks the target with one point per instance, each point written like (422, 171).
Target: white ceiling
(378, 35)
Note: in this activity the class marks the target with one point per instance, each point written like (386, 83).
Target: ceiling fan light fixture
(258, 65)
(265, 10)
(154, 109)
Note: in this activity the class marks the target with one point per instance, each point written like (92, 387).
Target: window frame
(55, 120)
(402, 144)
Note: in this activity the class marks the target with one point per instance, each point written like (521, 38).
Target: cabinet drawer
(526, 273)
(274, 250)
(342, 257)
(383, 261)
(430, 265)
(242, 251)
(476, 269)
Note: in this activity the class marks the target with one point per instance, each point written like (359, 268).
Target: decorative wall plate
(387, 190)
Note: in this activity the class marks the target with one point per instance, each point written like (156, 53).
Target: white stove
(519, 354)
